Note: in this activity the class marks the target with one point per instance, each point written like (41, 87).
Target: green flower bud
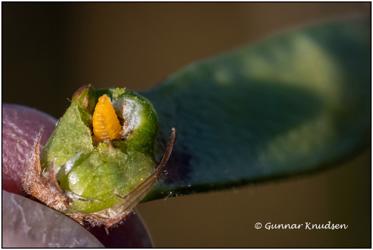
(101, 156)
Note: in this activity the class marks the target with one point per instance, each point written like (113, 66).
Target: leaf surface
(295, 102)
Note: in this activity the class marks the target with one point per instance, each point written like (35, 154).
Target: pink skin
(22, 126)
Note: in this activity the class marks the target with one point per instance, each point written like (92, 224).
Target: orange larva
(105, 122)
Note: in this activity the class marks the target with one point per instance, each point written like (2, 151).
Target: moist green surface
(71, 136)
(142, 138)
(104, 175)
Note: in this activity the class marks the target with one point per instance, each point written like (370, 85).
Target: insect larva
(105, 122)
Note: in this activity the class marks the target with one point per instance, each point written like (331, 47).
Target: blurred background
(50, 50)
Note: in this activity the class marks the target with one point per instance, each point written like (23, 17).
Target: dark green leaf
(290, 104)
